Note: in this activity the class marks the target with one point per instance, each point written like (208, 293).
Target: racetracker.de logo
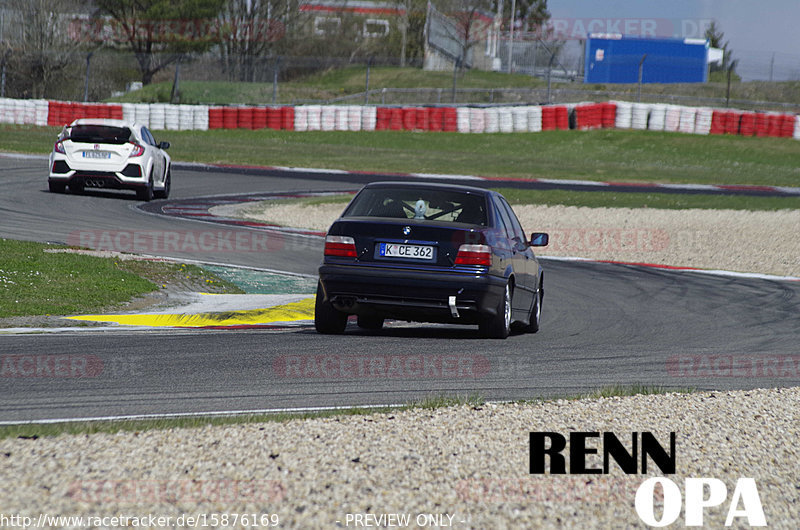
(734, 366)
(50, 366)
(154, 241)
(381, 366)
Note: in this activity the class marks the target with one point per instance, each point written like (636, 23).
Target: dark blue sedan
(430, 253)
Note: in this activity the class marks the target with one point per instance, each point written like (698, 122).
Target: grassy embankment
(36, 282)
(339, 82)
(607, 155)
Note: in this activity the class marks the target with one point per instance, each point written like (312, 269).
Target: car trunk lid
(407, 242)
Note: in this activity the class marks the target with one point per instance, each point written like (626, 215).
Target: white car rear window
(99, 134)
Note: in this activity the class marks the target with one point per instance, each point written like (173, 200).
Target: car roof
(104, 121)
(430, 185)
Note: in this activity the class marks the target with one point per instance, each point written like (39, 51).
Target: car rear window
(99, 134)
(419, 203)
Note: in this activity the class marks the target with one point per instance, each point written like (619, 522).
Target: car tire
(164, 194)
(327, 319)
(57, 187)
(370, 322)
(536, 314)
(146, 193)
(499, 325)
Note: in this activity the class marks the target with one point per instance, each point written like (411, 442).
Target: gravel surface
(468, 462)
(743, 241)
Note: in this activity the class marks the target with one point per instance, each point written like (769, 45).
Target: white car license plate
(397, 250)
(96, 154)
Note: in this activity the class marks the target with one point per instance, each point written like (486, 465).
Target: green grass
(34, 431)
(39, 283)
(608, 155)
(34, 282)
(611, 155)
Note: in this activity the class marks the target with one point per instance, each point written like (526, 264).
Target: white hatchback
(110, 154)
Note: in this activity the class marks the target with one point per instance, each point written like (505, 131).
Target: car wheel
(328, 320)
(370, 322)
(499, 325)
(57, 187)
(163, 194)
(145, 193)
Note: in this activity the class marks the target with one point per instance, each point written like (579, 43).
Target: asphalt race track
(603, 324)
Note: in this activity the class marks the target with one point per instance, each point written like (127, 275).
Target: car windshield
(99, 134)
(419, 203)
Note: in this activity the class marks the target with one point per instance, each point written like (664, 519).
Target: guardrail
(463, 119)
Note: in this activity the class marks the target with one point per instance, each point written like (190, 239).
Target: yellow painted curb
(302, 310)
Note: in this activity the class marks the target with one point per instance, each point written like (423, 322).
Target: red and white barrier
(369, 117)
(702, 120)
(672, 118)
(658, 117)
(505, 120)
(613, 114)
(688, 115)
(491, 120)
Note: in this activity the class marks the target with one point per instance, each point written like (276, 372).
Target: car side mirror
(163, 145)
(539, 239)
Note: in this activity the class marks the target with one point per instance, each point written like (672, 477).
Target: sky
(755, 29)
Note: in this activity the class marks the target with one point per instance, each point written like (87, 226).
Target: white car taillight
(138, 150)
(342, 246)
(474, 255)
(59, 147)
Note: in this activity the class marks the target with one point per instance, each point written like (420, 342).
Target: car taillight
(138, 150)
(342, 246)
(59, 147)
(474, 255)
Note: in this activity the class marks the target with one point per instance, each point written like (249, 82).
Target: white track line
(676, 268)
(213, 413)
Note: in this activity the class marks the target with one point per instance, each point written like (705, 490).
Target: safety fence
(464, 119)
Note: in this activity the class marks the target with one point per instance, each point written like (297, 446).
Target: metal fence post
(641, 68)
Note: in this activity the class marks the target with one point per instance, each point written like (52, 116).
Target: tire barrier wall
(490, 119)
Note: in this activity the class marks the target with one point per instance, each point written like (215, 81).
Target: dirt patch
(737, 240)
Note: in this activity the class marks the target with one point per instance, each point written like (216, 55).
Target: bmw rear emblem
(406, 230)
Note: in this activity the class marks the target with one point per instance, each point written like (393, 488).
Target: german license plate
(397, 250)
(96, 154)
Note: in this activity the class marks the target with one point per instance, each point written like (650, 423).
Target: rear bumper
(131, 176)
(99, 179)
(415, 295)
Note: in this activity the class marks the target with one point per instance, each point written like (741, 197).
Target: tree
(160, 32)
(715, 35)
(249, 31)
(466, 24)
(533, 14)
(40, 49)
(410, 34)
